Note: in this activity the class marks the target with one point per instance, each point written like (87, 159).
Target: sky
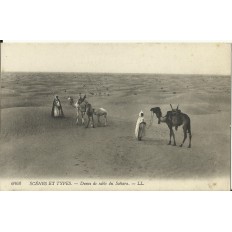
(168, 58)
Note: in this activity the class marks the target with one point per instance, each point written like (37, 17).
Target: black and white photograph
(127, 104)
(115, 116)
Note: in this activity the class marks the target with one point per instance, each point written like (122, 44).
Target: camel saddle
(175, 117)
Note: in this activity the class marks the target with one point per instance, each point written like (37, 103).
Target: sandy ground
(35, 145)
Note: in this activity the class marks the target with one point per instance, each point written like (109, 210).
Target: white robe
(140, 119)
(56, 111)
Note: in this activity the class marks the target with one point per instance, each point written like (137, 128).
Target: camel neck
(163, 119)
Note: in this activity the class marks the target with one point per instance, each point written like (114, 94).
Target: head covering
(140, 114)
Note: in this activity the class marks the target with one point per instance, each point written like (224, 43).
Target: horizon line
(119, 73)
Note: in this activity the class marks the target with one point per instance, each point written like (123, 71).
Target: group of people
(57, 111)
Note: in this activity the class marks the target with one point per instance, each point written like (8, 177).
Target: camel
(174, 118)
(81, 106)
(89, 113)
(80, 110)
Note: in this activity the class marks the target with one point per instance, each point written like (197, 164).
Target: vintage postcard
(115, 116)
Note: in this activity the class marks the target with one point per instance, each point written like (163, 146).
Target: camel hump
(100, 111)
(103, 110)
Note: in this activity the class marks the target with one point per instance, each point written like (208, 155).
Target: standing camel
(174, 118)
(89, 113)
(81, 107)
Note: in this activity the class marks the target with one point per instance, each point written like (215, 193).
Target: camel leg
(185, 135)
(87, 123)
(77, 118)
(82, 119)
(92, 121)
(105, 120)
(98, 120)
(190, 137)
(170, 134)
(173, 135)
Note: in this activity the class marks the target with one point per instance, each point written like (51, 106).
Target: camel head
(81, 99)
(157, 112)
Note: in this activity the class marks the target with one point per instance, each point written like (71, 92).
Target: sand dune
(35, 145)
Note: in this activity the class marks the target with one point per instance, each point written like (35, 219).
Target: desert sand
(33, 144)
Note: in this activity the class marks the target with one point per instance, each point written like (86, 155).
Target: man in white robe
(139, 120)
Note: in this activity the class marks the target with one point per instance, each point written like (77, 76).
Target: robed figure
(57, 111)
(140, 126)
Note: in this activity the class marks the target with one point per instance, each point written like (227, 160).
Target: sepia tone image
(115, 116)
